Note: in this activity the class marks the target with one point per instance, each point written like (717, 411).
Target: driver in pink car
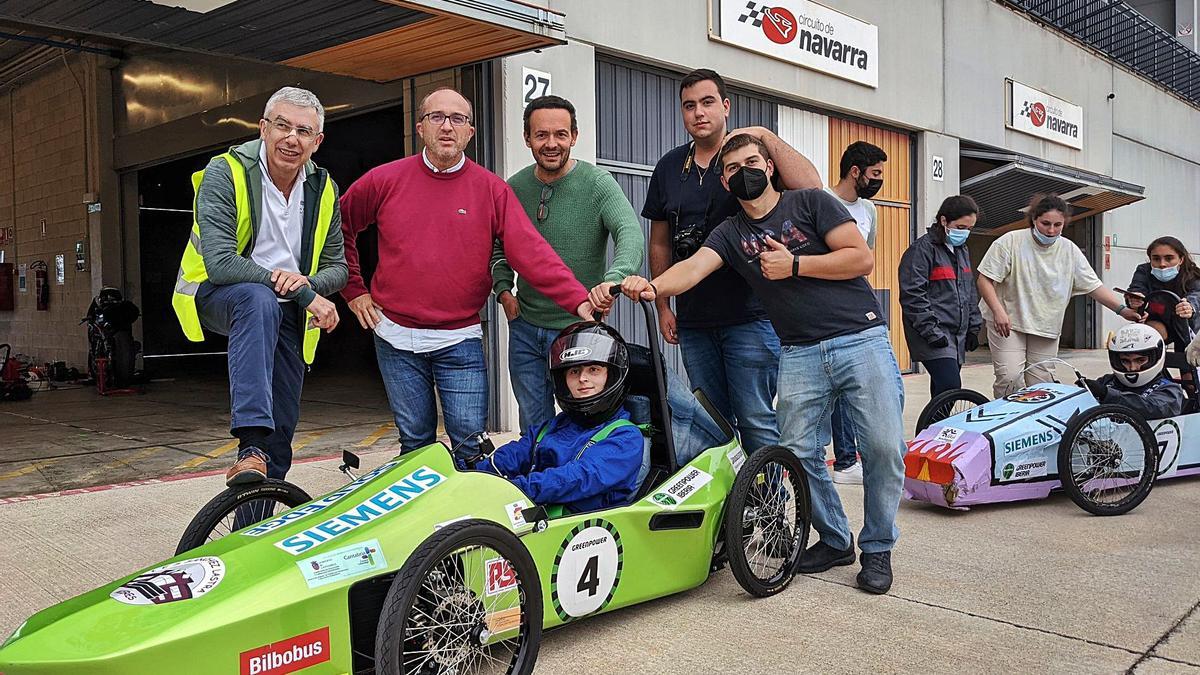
(1138, 381)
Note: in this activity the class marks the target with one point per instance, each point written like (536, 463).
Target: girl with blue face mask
(1026, 279)
(1171, 269)
(938, 301)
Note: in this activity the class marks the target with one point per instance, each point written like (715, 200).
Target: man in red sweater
(437, 215)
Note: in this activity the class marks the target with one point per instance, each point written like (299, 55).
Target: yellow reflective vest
(191, 267)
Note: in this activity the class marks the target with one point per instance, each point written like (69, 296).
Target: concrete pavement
(1035, 587)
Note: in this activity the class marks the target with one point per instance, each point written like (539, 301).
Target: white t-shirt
(864, 214)
(277, 242)
(1036, 282)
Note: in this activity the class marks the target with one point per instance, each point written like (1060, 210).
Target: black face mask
(748, 183)
(870, 189)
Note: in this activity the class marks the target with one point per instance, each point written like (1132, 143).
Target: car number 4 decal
(587, 569)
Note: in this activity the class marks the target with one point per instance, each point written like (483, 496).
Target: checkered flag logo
(1025, 109)
(754, 14)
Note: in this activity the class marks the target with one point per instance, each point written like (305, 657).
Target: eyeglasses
(286, 129)
(543, 207)
(439, 118)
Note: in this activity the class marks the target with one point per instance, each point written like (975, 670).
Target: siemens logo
(376, 506)
(316, 506)
(1031, 441)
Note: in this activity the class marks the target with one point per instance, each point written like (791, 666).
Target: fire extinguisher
(41, 284)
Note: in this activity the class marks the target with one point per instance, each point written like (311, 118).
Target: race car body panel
(1007, 450)
(274, 597)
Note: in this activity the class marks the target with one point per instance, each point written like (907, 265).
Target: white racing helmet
(1140, 339)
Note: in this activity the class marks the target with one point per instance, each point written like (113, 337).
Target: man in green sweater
(576, 206)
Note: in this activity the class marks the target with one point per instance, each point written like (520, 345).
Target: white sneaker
(851, 476)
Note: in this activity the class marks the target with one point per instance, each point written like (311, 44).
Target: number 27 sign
(534, 84)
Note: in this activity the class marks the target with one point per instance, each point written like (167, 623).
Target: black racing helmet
(585, 343)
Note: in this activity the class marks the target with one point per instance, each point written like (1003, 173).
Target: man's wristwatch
(795, 265)
(1121, 308)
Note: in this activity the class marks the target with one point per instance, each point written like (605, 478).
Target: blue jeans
(528, 349)
(266, 369)
(845, 448)
(458, 372)
(861, 369)
(737, 368)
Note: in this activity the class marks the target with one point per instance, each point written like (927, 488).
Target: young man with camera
(729, 348)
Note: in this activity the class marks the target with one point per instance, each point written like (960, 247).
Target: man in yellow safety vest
(264, 255)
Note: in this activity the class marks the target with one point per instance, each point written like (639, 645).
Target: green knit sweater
(586, 207)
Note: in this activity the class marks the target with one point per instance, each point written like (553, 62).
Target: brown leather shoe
(251, 468)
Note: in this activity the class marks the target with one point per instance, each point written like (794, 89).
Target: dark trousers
(943, 375)
(266, 369)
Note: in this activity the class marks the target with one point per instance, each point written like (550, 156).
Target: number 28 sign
(587, 569)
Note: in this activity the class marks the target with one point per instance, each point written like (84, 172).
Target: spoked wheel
(238, 507)
(948, 404)
(1107, 460)
(767, 516)
(467, 601)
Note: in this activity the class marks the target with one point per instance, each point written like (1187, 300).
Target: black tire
(256, 501)
(427, 565)
(770, 466)
(1080, 444)
(948, 404)
(122, 360)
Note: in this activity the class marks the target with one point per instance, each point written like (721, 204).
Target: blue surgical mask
(1165, 274)
(957, 237)
(1043, 239)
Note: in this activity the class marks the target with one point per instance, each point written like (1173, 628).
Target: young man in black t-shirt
(802, 254)
(729, 349)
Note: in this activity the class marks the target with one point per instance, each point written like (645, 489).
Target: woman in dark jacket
(1170, 269)
(938, 297)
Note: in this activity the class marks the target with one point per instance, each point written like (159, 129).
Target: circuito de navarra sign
(810, 35)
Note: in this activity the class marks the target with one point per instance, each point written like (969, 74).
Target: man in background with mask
(805, 259)
(861, 171)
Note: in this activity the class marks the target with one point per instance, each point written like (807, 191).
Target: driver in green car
(589, 456)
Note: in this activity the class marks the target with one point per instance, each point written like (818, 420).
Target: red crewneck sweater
(435, 243)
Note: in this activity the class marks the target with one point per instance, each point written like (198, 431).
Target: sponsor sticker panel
(343, 563)
(287, 656)
(681, 487)
(1013, 471)
(174, 582)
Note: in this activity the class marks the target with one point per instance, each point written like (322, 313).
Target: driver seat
(1178, 361)
(643, 403)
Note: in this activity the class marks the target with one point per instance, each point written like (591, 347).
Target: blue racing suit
(567, 468)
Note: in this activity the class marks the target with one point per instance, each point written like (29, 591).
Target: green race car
(417, 567)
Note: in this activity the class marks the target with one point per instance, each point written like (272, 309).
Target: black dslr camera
(688, 240)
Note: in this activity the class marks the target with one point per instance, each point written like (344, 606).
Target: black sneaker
(821, 556)
(876, 574)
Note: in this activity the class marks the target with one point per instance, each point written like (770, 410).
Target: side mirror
(536, 516)
(350, 459)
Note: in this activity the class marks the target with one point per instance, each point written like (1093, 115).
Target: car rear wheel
(767, 517)
(948, 404)
(238, 507)
(1107, 460)
(467, 601)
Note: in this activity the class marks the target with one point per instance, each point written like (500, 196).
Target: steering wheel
(1160, 306)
